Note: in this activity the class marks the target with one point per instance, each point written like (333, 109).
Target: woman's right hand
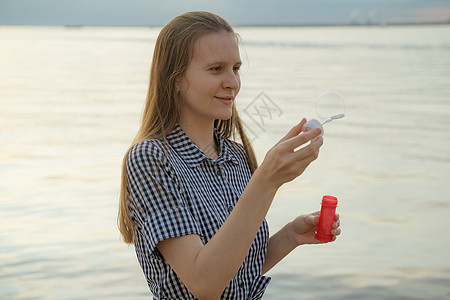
(283, 163)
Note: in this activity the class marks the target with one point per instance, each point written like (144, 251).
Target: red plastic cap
(329, 200)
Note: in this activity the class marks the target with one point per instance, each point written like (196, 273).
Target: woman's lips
(225, 100)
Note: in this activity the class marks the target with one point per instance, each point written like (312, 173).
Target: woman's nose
(232, 81)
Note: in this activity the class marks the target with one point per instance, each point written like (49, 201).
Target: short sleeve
(154, 198)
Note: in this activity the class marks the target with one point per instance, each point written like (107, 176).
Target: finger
(317, 139)
(309, 220)
(316, 220)
(336, 224)
(301, 139)
(312, 216)
(336, 217)
(336, 232)
(294, 131)
(315, 217)
(312, 220)
(310, 152)
(317, 142)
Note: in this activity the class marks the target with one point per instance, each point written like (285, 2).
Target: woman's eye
(236, 69)
(215, 69)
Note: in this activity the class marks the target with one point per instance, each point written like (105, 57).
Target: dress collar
(192, 154)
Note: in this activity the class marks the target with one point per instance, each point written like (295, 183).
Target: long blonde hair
(173, 51)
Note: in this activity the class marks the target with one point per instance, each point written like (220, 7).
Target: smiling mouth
(228, 98)
(225, 100)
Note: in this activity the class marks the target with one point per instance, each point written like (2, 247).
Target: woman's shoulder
(154, 149)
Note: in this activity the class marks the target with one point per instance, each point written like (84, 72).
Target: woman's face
(211, 80)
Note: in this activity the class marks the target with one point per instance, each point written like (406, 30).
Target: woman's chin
(225, 117)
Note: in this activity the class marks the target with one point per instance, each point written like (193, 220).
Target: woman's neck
(202, 134)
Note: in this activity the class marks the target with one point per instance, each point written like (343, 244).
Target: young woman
(193, 201)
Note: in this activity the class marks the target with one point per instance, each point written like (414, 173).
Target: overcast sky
(237, 12)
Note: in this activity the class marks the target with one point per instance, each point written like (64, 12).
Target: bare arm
(207, 269)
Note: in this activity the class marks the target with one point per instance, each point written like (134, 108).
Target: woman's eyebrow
(222, 63)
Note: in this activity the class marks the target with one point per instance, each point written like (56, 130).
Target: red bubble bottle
(326, 219)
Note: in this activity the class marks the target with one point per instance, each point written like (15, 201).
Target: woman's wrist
(265, 180)
(290, 235)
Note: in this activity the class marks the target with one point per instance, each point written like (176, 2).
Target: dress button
(230, 208)
(241, 285)
(219, 173)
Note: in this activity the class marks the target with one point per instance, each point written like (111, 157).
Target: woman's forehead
(216, 47)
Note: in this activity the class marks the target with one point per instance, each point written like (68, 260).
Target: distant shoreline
(337, 24)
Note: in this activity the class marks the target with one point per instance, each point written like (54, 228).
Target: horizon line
(332, 24)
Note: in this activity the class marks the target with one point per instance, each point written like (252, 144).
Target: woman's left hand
(298, 232)
(304, 228)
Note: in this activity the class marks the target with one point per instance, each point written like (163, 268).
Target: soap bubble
(330, 105)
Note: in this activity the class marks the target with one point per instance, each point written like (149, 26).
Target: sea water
(70, 103)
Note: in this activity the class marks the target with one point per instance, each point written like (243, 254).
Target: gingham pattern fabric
(176, 190)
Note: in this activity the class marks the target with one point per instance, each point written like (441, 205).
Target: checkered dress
(177, 190)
